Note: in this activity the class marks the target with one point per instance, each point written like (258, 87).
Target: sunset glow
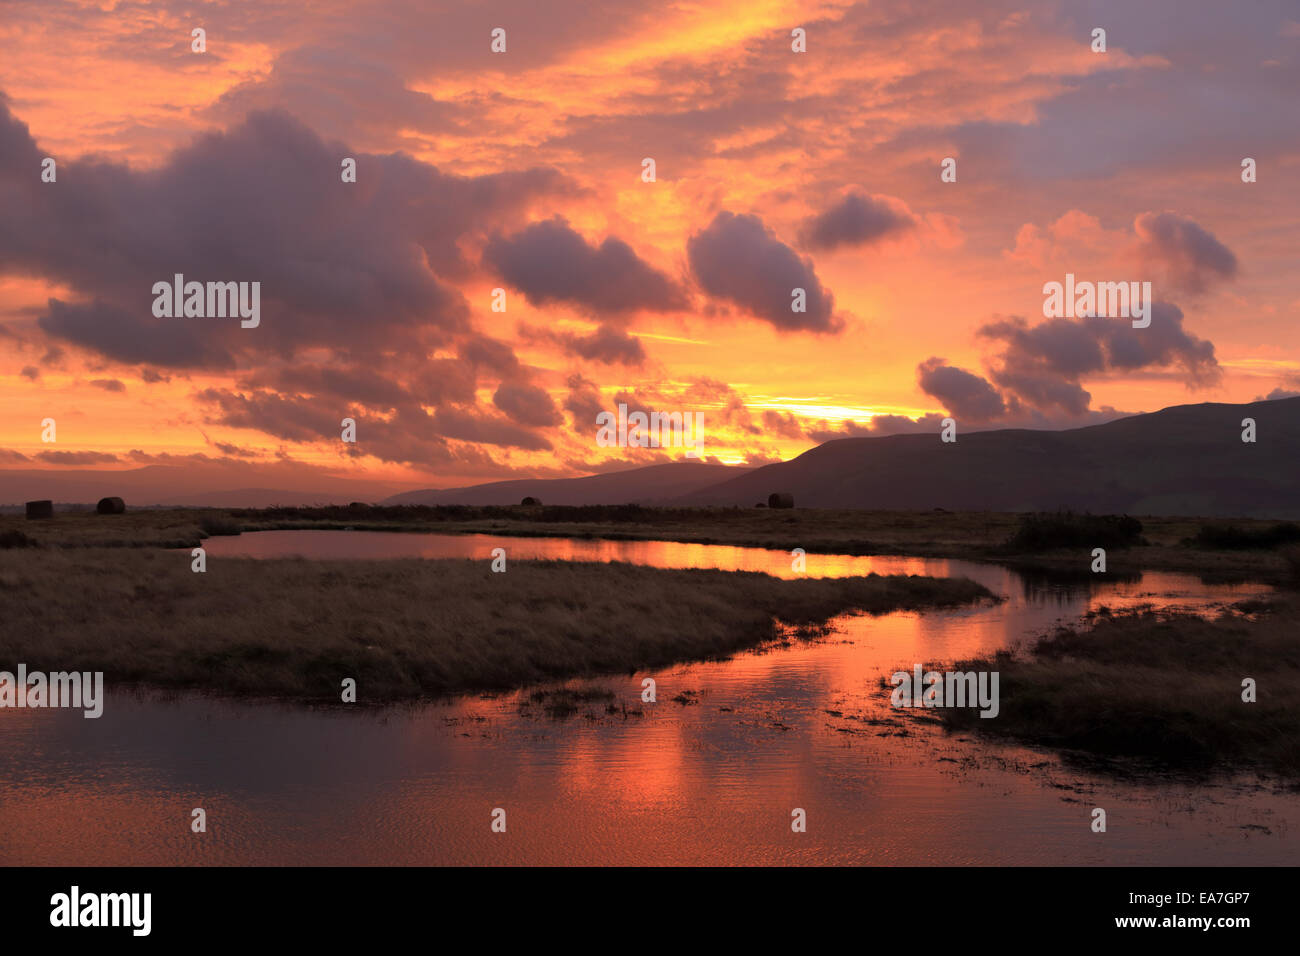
(523, 171)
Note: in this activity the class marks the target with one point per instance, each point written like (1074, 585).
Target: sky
(524, 171)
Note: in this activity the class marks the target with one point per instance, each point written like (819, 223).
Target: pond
(709, 774)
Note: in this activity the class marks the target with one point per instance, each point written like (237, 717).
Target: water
(710, 778)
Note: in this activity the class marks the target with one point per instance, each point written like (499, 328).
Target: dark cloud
(607, 343)
(738, 259)
(551, 263)
(129, 335)
(879, 426)
(31, 372)
(235, 451)
(967, 396)
(583, 403)
(343, 385)
(290, 418)
(472, 426)
(856, 220)
(826, 431)
(108, 384)
(902, 425)
(1191, 257)
(1042, 365)
(9, 455)
(341, 266)
(409, 434)
(76, 457)
(1036, 380)
(482, 351)
(526, 404)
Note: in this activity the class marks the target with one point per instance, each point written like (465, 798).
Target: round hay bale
(40, 509)
(780, 499)
(530, 500)
(111, 506)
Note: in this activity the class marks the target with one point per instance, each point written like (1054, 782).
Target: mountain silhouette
(1184, 460)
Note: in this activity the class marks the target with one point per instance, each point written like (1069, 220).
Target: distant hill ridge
(1188, 459)
(653, 484)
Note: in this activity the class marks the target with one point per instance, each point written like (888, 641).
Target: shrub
(1065, 529)
(220, 524)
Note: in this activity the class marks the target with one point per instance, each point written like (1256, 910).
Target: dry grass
(159, 528)
(1166, 687)
(401, 628)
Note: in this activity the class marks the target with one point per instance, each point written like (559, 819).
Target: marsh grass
(562, 702)
(401, 628)
(1233, 537)
(1165, 687)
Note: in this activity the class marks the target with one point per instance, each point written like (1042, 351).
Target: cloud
(261, 201)
(583, 403)
(551, 263)
(108, 384)
(409, 434)
(235, 451)
(738, 259)
(606, 344)
(1037, 376)
(473, 426)
(30, 372)
(1042, 365)
(857, 219)
(128, 336)
(781, 424)
(1192, 258)
(342, 385)
(290, 418)
(879, 426)
(966, 395)
(492, 354)
(76, 457)
(526, 404)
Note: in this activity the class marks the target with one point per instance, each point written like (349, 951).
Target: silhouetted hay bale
(780, 499)
(40, 509)
(111, 506)
(530, 500)
(761, 504)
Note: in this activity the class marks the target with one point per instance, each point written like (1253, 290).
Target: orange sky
(522, 170)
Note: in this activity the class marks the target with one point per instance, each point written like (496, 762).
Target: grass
(1164, 687)
(1236, 538)
(1174, 544)
(402, 628)
(13, 538)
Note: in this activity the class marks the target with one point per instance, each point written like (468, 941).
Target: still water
(709, 774)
